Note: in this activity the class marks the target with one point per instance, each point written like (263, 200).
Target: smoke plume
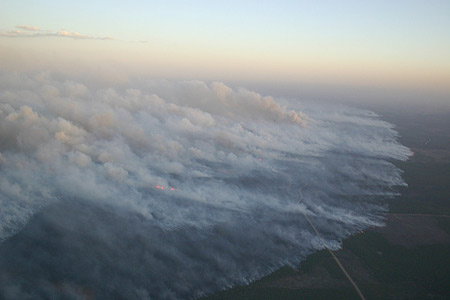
(163, 190)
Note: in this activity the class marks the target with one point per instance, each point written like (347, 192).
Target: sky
(382, 44)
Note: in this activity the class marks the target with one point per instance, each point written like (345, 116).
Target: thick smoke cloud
(162, 190)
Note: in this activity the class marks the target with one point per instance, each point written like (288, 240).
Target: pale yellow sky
(172, 60)
(405, 44)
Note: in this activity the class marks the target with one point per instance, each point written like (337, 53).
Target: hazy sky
(366, 43)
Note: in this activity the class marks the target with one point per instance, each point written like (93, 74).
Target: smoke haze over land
(161, 189)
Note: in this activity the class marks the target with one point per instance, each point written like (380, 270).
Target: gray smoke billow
(165, 190)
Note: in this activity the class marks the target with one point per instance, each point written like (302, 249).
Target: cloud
(76, 35)
(15, 33)
(35, 32)
(159, 189)
(28, 28)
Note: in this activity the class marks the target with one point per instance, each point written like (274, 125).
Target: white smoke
(206, 169)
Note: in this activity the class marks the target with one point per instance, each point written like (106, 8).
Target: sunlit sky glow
(394, 43)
